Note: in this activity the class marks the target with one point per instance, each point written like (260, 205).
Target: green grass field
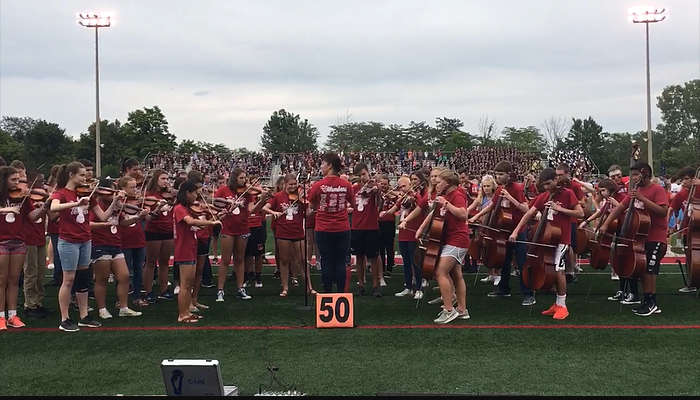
(501, 350)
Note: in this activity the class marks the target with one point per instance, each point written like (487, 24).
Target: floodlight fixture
(92, 19)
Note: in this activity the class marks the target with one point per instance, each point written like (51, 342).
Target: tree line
(676, 140)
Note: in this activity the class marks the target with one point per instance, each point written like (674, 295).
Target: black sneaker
(376, 292)
(360, 291)
(619, 296)
(631, 299)
(33, 313)
(68, 326)
(498, 293)
(387, 274)
(276, 275)
(89, 322)
(91, 295)
(44, 310)
(646, 310)
(166, 295)
(151, 298)
(242, 294)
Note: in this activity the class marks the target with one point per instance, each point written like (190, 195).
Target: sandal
(189, 319)
(196, 316)
(284, 293)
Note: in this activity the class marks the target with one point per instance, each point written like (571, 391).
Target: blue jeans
(135, 259)
(334, 248)
(410, 269)
(520, 250)
(57, 269)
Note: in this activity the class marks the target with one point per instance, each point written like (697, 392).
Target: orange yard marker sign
(335, 310)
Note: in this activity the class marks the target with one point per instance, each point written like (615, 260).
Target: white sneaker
(129, 313)
(463, 315)
(614, 277)
(50, 266)
(424, 283)
(688, 289)
(404, 293)
(382, 283)
(111, 278)
(435, 301)
(104, 314)
(496, 281)
(446, 317)
(418, 295)
(258, 285)
(176, 290)
(220, 296)
(488, 279)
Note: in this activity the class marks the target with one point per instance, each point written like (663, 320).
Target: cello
(427, 252)
(540, 269)
(691, 222)
(500, 225)
(601, 247)
(629, 259)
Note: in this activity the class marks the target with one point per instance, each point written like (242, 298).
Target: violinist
(21, 169)
(216, 231)
(279, 186)
(15, 214)
(405, 204)
(562, 207)
(132, 168)
(650, 198)
(483, 198)
(235, 231)
(89, 177)
(364, 242)
(52, 231)
(387, 228)
(680, 202)
(255, 248)
(452, 206)
(511, 196)
(35, 265)
(74, 244)
(159, 237)
(203, 272)
(185, 257)
(107, 256)
(610, 194)
(287, 210)
(132, 234)
(329, 198)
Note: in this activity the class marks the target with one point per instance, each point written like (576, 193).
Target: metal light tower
(96, 21)
(647, 15)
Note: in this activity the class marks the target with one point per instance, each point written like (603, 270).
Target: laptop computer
(194, 378)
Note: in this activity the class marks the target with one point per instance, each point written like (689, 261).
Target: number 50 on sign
(334, 310)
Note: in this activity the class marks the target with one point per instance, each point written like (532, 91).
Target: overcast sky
(218, 68)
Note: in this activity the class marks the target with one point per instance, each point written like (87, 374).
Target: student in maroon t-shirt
(652, 199)
(564, 176)
(680, 202)
(512, 198)
(364, 243)
(159, 238)
(288, 211)
(451, 205)
(328, 198)
(387, 229)
(562, 208)
(611, 197)
(185, 228)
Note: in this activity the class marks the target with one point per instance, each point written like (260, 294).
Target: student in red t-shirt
(512, 198)
(387, 230)
(133, 240)
(14, 217)
(185, 228)
(652, 199)
(279, 186)
(328, 198)
(235, 231)
(107, 255)
(74, 244)
(680, 202)
(159, 238)
(562, 208)
(610, 197)
(407, 239)
(564, 176)
(451, 204)
(288, 210)
(364, 242)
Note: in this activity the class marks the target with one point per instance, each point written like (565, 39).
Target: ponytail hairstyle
(185, 188)
(153, 183)
(53, 175)
(233, 179)
(5, 174)
(279, 185)
(450, 177)
(65, 172)
(128, 163)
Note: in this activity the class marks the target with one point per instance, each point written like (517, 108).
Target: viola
(540, 270)
(629, 258)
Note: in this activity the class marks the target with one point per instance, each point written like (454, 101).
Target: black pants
(387, 235)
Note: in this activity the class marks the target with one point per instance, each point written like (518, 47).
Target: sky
(218, 69)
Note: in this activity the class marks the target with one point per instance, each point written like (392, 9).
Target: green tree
(47, 144)
(113, 145)
(286, 132)
(147, 132)
(678, 136)
(448, 133)
(18, 126)
(524, 139)
(587, 136)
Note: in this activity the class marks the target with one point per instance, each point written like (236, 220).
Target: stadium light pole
(96, 21)
(647, 15)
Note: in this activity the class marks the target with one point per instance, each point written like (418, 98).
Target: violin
(84, 190)
(130, 209)
(209, 211)
(38, 195)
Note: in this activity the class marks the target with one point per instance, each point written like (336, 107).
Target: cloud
(389, 61)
